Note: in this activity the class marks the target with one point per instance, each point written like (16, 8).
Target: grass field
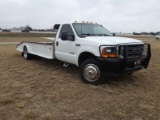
(15, 34)
(42, 89)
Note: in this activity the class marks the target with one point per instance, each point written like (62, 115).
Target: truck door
(65, 49)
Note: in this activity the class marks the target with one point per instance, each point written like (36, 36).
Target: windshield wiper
(88, 34)
(102, 35)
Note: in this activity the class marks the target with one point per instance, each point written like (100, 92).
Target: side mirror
(65, 36)
(71, 37)
(56, 26)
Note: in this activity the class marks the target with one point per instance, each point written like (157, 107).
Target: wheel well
(24, 47)
(84, 56)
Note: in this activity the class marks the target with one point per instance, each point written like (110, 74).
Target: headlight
(109, 52)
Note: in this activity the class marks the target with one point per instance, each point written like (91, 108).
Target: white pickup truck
(158, 36)
(93, 49)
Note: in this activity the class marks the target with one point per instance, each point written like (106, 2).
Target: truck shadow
(52, 65)
(130, 79)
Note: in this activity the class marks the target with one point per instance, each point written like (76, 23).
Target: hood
(110, 40)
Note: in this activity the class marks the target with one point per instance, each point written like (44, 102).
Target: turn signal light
(106, 54)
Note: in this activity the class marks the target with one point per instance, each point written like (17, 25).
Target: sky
(116, 15)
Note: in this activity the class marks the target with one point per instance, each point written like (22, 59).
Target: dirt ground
(42, 89)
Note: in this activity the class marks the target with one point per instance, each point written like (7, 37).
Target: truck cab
(96, 52)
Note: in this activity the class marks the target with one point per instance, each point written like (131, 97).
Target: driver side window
(66, 28)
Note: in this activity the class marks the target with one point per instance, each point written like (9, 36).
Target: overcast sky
(115, 15)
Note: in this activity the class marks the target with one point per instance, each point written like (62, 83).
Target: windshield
(86, 29)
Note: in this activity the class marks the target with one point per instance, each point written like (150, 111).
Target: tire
(25, 54)
(130, 73)
(91, 72)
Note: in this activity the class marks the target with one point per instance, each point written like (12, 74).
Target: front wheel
(91, 72)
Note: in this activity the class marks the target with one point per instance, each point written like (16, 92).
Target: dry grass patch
(20, 105)
(43, 89)
(6, 100)
(27, 96)
(148, 108)
(47, 116)
(120, 114)
(30, 114)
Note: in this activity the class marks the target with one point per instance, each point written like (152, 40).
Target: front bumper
(118, 66)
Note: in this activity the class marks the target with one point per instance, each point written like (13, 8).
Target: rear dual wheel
(25, 54)
(91, 72)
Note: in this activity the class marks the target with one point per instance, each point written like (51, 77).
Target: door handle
(78, 44)
(57, 43)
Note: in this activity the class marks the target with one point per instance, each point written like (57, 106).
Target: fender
(92, 50)
(28, 48)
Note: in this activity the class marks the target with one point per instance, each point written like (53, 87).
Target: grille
(134, 51)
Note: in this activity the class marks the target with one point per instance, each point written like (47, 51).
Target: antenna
(82, 16)
(81, 21)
